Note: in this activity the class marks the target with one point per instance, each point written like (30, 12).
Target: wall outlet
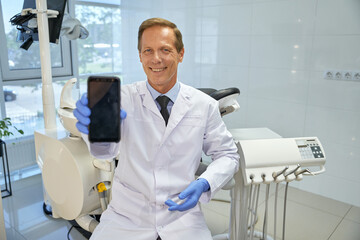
(342, 75)
(329, 75)
(338, 75)
(347, 75)
(356, 76)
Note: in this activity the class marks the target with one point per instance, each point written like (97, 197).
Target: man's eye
(147, 50)
(166, 50)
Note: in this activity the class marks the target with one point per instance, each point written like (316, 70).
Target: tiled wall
(275, 52)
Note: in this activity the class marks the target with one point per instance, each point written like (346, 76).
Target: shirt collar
(172, 93)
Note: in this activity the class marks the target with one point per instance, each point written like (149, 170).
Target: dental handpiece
(303, 171)
(292, 171)
(276, 174)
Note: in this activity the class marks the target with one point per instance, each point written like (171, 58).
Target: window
(19, 64)
(20, 76)
(24, 106)
(21, 73)
(99, 54)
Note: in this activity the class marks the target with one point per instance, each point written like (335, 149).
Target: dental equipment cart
(267, 158)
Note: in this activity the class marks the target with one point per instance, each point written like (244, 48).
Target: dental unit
(263, 162)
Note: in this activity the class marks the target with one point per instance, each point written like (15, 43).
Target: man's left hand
(192, 194)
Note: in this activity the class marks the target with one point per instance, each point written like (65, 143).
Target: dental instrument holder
(263, 161)
(264, 157)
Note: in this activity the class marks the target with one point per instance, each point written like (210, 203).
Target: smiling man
(160, 56)
(154, 192)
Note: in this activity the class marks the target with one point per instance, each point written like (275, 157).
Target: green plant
(5, 128)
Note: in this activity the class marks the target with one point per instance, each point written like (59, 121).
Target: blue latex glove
(82, 114)
(192, 194)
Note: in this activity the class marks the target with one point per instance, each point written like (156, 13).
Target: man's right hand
(82, 114)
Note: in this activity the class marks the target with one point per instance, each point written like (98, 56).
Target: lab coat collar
(181, 106)
(172, 93)
(179, 110)
(147, 100)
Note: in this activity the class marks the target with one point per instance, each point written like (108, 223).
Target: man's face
(159, 57)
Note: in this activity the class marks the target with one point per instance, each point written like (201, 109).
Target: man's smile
(158, 69)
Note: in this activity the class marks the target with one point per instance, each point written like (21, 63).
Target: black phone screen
(104, 103)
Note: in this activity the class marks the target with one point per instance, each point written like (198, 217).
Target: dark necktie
(163, 102)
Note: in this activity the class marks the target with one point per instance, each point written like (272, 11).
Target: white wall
(275, 52)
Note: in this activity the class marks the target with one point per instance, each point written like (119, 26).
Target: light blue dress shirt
(172, 94)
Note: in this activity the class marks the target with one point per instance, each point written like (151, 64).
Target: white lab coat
(156, 163)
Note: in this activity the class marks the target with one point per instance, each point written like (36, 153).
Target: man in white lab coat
(154, 192)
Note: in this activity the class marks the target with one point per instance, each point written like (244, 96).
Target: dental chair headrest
(225, 97)
(208, 91)
(66, 99)
(219, 94)
(67, 106)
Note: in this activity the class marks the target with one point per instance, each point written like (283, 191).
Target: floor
(308, 216)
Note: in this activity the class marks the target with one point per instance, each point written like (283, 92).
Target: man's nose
(156, 57)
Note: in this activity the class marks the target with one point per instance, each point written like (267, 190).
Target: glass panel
(100, 52)
(115, 2)
(23, 104)
(19, 59)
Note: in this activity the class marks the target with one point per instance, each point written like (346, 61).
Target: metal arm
(46, 73)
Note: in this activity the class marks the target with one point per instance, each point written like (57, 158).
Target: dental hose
(251, 210)
(266, 211)
(102, 195)
(285, 197)
(275, 208)
(255, 212)
(249, 206)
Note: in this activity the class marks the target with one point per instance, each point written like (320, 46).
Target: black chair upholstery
(218, 94)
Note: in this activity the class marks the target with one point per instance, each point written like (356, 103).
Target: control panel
(309, 148)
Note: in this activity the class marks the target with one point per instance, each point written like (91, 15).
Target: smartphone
(104, 103)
